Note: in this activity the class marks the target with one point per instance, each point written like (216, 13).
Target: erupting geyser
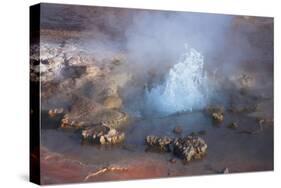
(185, 87)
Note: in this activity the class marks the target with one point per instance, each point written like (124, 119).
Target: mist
(154, 44)
(161, 49)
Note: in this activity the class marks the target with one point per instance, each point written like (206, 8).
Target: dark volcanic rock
(187, 148)
(190, 147)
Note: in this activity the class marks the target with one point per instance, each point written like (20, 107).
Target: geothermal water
(185, 86)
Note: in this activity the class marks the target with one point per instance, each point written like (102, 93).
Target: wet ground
(235, 149)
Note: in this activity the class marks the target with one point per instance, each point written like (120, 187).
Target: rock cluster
(187, 148)
(102, 135)
(216, 112)
(190, 147)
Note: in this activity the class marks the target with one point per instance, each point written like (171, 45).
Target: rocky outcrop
(216, 112)
(187, 148)
(102, 135)
(190, 147)
(91, 74)
(85, 113)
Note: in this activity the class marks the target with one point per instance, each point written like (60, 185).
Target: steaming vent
(185, 87)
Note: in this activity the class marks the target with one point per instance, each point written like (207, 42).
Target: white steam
(185, 87)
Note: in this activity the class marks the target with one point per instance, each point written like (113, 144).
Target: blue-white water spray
(185, 87)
